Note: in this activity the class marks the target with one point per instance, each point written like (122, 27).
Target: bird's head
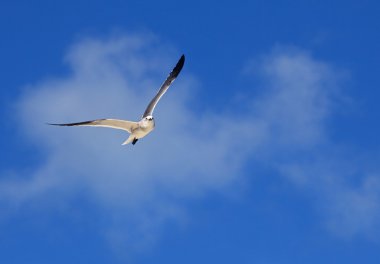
(149, 118)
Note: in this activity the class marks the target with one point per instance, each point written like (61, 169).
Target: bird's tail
(129, 140)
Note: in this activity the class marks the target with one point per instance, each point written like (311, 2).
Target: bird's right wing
(112, 123)
(165, 86)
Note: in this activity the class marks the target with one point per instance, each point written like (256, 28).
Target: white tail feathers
(129, 140)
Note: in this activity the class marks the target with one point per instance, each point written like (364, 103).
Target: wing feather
(164, 87)
(111, 123)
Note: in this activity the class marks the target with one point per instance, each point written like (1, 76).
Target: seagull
(143, 127)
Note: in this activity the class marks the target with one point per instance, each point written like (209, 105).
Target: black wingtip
(51, 124)
(73, 124)
(178, 67)
(181, 61)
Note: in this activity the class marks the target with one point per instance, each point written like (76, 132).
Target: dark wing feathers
(112, 123)
(172, 76)
(92, 122)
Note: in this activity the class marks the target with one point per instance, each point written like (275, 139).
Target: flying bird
(143, 127)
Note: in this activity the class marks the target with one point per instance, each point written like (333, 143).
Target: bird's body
(143, 127)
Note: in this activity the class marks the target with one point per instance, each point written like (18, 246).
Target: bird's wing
(112, 123)
(172, 76)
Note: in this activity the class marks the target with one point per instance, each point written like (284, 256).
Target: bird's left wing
(164, 87)
(112, 123)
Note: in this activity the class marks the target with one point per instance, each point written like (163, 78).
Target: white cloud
(299, 109)
(356, 211)
(349, 198)
(116, 78)
(285, 128)
(299, 98)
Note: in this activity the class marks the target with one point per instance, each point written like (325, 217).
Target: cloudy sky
(265, 150)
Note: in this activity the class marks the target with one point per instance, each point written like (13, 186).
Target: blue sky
(274, 157)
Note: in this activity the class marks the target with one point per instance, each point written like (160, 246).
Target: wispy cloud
(299, 109)
(115, 78)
